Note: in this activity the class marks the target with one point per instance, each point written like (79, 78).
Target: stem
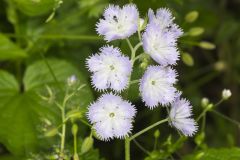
(133, 55)
(207, 109)
(155, 144)
(75, 144)
(141, 147)
(148, 128)
(129, 44)
(127, 148)
(227, 118)
(63, 131)
(202, 114)
(57, 36)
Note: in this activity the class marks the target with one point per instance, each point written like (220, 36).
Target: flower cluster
(110, 115)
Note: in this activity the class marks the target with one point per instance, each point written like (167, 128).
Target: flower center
(112, 67)
(153, 83)
(111, 114)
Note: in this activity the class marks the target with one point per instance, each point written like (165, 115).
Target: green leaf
(35, 7)
(21, 114)
(9, 50)
(9, 157)
(38, 74)
(216, 154)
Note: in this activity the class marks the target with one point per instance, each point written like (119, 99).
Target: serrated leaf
(9, 50)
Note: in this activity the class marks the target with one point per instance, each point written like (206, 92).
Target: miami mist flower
(111, 116)
(160, 37)
(118, 23)
(180, 117)
(156, 86)
(110, 68)
(164, 20)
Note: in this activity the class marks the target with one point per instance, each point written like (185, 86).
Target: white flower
(164, 21)
(226, 93)
(156, 86)
(118, 23)
(160, 37)
(111, 117)
(160, 45)
(180, 117)
(110, 69)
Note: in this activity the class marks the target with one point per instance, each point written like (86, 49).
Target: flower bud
(196, 31)
(187, 59)
(75, 157)
(226, 93)
(191, 16)
(204, 102)
(144, 65)
(72, 80)
(207, 45)
(74, 129)
(52, 132)
(156, 133)
(87, 144)
(220, 66)
(209, 106)
(74, 114)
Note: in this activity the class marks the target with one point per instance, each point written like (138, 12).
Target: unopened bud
(74, 129)
(72, 80)
(75, 157)
(187, 59)
(196, 31)
(209, 106)
(207, 45)
(191, 16)
(226, 93)
(144, 65)
(220, 65)
(156, 133)
(52, 132)
(204, 102)
(74, 114)
(87, 144)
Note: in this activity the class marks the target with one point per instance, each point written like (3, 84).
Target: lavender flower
(118, 23)
(164, 20)
(160, 45)
(160, 36)
(180, 114)
(110, 69)
(111, 117)
(156, 86)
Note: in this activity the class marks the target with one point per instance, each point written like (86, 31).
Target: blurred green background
(63, 33)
